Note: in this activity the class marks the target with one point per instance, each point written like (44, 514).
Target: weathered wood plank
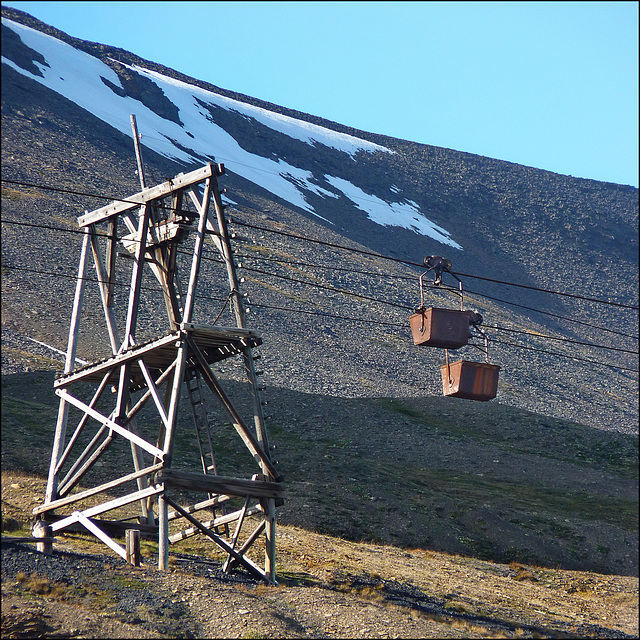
(84, 461)
(220, 484)
(115, 528)
(218, 332)
(20, 539)
(123, 431)
(81, 425)
(246, 562)
(241, 428)
(63, 409)
(100, 534)
(198, 506)
(132, 547)
(197, 253)
(55, 504)
(241, 516)
(146, 195)
(247, 543)
(212, 524)
(108, 506)
(115, 361)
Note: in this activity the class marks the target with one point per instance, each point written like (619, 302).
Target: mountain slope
(461, 202)
(355, 403)
(491, 218)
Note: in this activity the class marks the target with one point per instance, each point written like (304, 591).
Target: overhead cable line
(69, 191)
(484, 295)
(553, 315)
(563, 355)
(408, 278)
(559, 339)
(371, 298)
(395, 304)
(381, 301)
(421, 265)
(352, 249)
(124, 285)
(335, 316)
(554, 353)
(329, 288)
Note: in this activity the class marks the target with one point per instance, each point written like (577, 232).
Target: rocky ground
(467, 538)
(328, 588)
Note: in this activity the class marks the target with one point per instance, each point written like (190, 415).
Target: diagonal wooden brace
(248, 438)
(245, 562)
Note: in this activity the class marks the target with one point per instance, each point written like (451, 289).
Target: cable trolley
(452, 329)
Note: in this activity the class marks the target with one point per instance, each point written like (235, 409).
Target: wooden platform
(216, 343)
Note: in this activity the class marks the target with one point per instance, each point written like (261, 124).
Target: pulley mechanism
(434, 326)
(437, 264)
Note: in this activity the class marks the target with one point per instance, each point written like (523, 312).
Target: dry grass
(41, 586)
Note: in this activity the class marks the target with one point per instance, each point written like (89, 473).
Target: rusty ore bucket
(444, 328)
(470, 380)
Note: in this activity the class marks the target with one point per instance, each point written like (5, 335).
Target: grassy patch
(522, 432)
(469, 490)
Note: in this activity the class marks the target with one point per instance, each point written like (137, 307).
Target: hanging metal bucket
(470, 380)
(444, 328)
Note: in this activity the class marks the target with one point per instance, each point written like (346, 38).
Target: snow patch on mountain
(299, 129)
(81, 77)
(399, 214)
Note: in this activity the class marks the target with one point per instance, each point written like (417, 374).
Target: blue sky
(553, 85)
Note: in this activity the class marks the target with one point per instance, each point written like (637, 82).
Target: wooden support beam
(43, 533)
(197, 252)
(132, 547)
(230, 333)
(198, 506)
(270, 539)
(248, 438)
(112, 250)
(55, 504)
(146, 195)
(105, 282)
(147, 394)
(136, 145)
(63, 408)
(216, 522)
(154, 392)
(132, 314)
(110, 423)
(205, 483)
(81, 424)
(247, 543)
(227, 256)
(88, 458)
(114, 528)
(99, 533)
(107, 506)
(115, 361)
(163, 531)
(241, 516)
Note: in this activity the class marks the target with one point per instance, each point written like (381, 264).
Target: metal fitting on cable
(438, 264)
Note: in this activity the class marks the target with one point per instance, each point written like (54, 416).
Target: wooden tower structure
(157, 230)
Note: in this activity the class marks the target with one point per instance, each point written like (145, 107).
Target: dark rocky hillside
(408, 514)
(515, 223)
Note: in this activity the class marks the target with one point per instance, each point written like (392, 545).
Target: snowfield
(80, 77)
